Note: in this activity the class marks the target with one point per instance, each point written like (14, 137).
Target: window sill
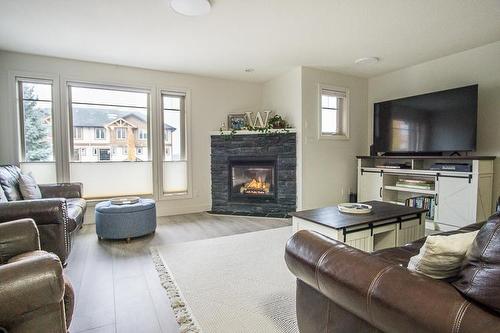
(334, 137)
(176, 196)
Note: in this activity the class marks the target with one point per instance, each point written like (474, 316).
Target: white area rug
(230, 284)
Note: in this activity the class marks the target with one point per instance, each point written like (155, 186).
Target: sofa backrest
(479, 278)
(9, 180)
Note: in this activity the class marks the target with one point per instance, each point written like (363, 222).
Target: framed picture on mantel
(236, 121)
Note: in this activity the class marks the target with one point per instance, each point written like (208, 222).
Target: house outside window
(100, 133)
(121, 133)
(333, 112)
(36, 112)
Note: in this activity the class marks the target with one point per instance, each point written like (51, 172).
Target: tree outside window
(36, 120)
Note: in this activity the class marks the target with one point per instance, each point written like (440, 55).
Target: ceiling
(270, 36)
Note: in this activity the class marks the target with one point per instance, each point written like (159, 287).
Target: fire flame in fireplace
(256, 186)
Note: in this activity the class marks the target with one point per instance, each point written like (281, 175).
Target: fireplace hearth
(254, 174)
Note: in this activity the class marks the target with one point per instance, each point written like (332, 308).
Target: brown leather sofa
(342, 289)
(58, 215)
(35, 296)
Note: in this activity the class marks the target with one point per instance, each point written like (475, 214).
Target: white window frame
(159, 140)
(99, 130)
(20, 115)
(119, 130)
(76, 131)
(343, 116)
(143, 134)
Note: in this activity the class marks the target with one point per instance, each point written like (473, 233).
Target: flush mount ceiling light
(191, 7)
(367, 61)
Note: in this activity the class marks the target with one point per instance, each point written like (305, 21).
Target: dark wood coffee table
(388, 225)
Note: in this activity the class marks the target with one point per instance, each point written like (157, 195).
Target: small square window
(100, 133)
(121, 133)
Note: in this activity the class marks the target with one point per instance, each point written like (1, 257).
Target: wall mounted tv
(442, 121)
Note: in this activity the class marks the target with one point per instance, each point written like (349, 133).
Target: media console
(454, 198)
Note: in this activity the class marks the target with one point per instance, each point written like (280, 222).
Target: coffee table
(388, 225)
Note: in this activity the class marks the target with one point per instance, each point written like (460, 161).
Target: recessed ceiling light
(191, 7)
(367, 61)
(249, 70)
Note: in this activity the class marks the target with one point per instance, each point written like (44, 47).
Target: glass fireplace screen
(252, 179)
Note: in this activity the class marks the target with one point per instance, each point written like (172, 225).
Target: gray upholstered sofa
(58, 215)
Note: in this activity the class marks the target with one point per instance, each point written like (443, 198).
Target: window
(143, 134)
(121, 133)
(175, 165)
(139, 150)
(334, 114)
(78, 133)
(100, 133)
(115, 108)
(83, 152)
(94, 151)
(35, 109)
(124, 150)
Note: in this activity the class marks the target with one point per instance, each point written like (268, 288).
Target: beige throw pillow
(441, 256)
(29, 188)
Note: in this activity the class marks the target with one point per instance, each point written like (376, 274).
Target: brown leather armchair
(344, 290)
(34, 294)
(58, 215)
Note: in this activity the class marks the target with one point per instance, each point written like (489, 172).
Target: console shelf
(458, 198)
(410, 190)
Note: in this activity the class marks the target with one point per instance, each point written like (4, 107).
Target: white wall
(480, 65)
(283, 95)
(211, 101)
(329, 166)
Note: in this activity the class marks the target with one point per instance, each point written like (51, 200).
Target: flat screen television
(442, 121)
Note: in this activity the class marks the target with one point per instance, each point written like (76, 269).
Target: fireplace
(252, 180)
(254, 174)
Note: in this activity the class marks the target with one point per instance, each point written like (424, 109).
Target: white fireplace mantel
(245, 132)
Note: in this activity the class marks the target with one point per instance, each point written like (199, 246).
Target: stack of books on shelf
(427, 202)
(420, 184)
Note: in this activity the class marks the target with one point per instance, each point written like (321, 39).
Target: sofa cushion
(76, 209)
(9, 180)
(441, 256)
(480, 273)
(28, 187)
(3, 198)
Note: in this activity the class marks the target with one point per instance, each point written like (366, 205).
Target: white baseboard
(160, 211)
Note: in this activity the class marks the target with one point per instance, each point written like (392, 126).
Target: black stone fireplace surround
(254, 174)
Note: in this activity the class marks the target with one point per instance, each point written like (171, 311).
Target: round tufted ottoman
(125, 221)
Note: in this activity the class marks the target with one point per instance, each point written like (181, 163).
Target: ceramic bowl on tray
(354, 208)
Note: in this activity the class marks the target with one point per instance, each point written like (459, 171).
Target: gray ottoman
(125, 221)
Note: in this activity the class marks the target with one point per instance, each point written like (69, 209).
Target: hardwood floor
(116, 285)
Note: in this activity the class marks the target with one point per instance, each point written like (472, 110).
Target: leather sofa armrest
(33, 281)
(42, 211)
(17, 237)
(61, 190)
(383, 294)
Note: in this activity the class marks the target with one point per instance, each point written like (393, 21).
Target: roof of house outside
(94, 117)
